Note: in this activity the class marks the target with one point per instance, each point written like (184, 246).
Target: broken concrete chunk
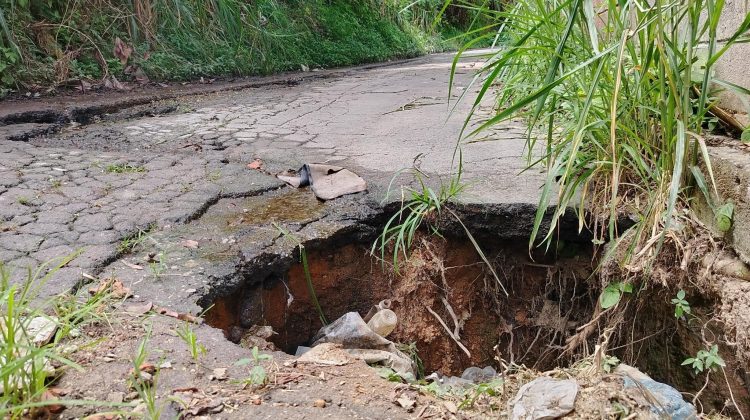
(544, 398)
(41, 329)
(327, 181)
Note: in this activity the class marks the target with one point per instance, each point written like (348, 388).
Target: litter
(327, 181)
(544, 398)
(361, 342)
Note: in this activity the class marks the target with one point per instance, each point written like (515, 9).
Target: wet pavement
(142, 185)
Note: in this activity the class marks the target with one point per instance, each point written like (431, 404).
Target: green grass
(124, 168)
(25, 371)
(188, 39)
(616, 107)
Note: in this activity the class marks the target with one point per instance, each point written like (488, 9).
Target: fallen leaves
(112, 286)
(182, 316)
(256, 164)
(122, 51)
(131, 265)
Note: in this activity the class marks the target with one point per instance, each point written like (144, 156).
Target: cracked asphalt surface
(180, 173)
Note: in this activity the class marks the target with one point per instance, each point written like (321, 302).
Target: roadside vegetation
(47, 44)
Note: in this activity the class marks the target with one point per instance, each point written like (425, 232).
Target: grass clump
(616, 95)
(124, 168)
(31, 361)
(53, 43)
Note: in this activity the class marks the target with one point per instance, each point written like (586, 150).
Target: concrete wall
(734, 66)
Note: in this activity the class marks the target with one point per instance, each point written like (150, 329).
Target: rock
(478, 376)
(41, 329)
(544, 398)
(670, 401)
(329, 354)
(319, 403)
(220, 374)
(116, 397)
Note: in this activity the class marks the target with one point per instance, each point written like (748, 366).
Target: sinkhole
(539, 309)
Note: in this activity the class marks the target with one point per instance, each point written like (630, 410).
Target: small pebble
(319, 403)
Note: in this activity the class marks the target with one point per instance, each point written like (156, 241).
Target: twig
(448, 330)
(457, 326)
(731, 394)
(700, 391)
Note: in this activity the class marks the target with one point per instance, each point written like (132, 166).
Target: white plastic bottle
(383, 322)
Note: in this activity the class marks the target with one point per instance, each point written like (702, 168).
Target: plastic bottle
(383, 322)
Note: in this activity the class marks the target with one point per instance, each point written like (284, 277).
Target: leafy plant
(705, 360)
(612, 294)
(745, 137)
(681, 306)
(490, 389)
(613, 108)
(258, 374)
(187, 334)
(609, 363)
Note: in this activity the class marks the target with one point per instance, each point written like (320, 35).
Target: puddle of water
(287, 206)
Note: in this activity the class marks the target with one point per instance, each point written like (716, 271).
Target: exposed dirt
(548, 299)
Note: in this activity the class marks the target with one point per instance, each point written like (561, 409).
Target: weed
(186, 333)
(55, 183)
(124, 168)
(705, 360)
(25, 366)
(681, 306)
(490, 389)
(612, 294)
(620, 104)
(306, 269)
(423, 205)
(145, 384)
(258, 375)
(24, 201)
(135, 240)
(213, 176)
(158, 265)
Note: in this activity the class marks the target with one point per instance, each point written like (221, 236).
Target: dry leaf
(113, 286)
(122, 50)
(181, 316)
(139, 309)
(256, 164)
(133, 266)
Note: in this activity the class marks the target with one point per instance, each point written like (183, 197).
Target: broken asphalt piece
(327, 181)
(663, 400)
(544, 398)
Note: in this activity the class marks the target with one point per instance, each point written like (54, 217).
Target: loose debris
(545, 398)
